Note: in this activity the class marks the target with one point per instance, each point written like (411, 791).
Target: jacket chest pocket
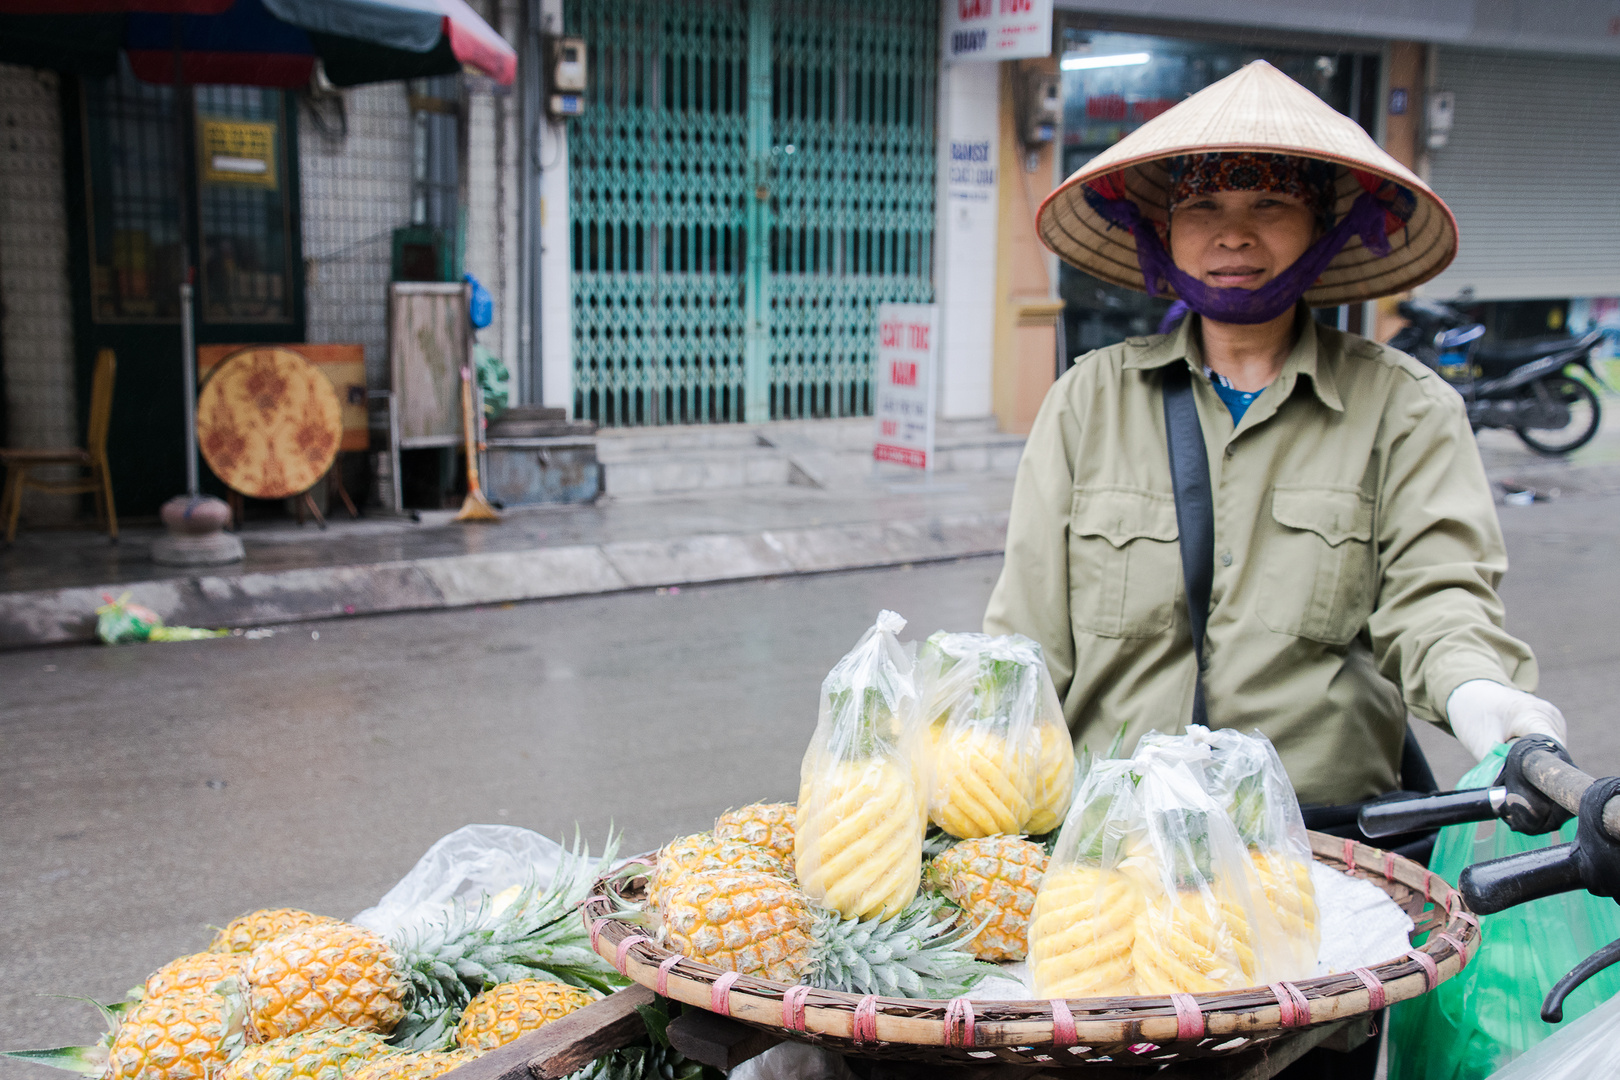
(1318, 578)
(1124, 562)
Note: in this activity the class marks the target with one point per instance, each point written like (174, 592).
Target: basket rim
(1252, 1013)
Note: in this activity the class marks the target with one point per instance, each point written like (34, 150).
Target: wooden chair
(18, 463)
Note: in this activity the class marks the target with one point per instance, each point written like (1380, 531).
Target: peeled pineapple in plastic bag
(1243, 774)
(1150, 866)
(1083, 933)
(857, 842)
(999, 757)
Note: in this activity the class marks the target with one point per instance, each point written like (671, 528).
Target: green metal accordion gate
(750, 179)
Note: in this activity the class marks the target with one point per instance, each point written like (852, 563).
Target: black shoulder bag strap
(1195, 512)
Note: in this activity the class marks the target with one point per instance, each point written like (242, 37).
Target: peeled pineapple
(1291, 897)
(1053, 780)
(1189, 942)
(981, 784)
(766, 825)
(1082, 940)
(858, 839)
(994, 880)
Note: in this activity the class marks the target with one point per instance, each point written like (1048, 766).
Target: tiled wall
(356, 191)
(36, 319)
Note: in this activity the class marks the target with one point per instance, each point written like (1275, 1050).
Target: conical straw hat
(1257, 109)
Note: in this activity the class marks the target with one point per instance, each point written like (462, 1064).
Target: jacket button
(1226, 558)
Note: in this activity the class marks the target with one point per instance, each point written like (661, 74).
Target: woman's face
(1239, 239)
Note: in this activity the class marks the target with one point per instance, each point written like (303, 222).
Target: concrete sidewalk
(51, 582)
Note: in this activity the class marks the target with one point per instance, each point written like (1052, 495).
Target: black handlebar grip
(1398, 816)
(1499, 884)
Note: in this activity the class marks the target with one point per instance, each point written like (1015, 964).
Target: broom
(474, 507)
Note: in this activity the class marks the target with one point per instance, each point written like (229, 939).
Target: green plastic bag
(1490, 1012)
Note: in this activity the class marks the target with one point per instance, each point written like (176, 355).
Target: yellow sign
(238, 152)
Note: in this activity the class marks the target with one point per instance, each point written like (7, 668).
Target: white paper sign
(996, 29)
(907, 347)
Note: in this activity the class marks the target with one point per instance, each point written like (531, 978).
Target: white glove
(1484, 713)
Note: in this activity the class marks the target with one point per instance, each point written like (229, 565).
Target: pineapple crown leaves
(86, 1060)
(473, 946)
(915, 954)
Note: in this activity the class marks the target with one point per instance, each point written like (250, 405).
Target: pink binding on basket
(1295, 1010)
(1431, 970)
(1063, 1033)
(1189, 1017)
(1376, 998)
(1428, 880)
(959, 1013)
(1389, 866)
(720, 993)
(793, 1007)
(1462, 953)
(865, 1026)
(596, 932)
(1350, 857)
(624, 947)
(665, 966)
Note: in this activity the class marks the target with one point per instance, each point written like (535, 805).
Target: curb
(60, 616)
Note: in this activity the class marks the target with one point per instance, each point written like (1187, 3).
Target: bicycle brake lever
(1395, 816)
(1552, 1010)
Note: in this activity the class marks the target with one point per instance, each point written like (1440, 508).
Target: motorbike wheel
(1585, 415)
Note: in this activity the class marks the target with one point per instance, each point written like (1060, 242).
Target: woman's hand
(1483, 713)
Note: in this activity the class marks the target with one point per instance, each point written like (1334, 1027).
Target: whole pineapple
(412, 987)
(502, 1013)
(760, 925)
(186, 1033)
(1082, 940)
(206, 969)
(705, 851)
(410, 1065)
(766, 825)
(247, 932)
(858, 839)
(326, 1054)
(994, 880)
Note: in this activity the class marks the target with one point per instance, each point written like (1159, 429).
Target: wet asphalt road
(147, 792)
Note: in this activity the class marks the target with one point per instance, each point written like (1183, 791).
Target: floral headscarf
(1309, 180)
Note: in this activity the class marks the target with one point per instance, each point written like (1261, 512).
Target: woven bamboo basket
(1101, 1031)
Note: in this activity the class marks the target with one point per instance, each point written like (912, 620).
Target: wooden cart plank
(567, 1045)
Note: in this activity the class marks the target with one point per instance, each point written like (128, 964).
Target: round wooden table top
(269, 423)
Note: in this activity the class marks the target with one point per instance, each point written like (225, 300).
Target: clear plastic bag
(473, 861)
(1244, 775)
(1490, 1013)
(1152, 889)
(997, 755)
(858, 837)
(1583, 1050)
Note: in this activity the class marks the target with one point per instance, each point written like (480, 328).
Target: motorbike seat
(1499, 354)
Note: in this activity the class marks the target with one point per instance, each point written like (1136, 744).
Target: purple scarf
(1365, 218)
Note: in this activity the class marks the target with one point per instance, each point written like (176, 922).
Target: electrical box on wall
(1439, 117)
(1040, 108)
(566, 77)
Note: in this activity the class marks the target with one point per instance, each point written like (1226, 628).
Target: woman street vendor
(1356, 550)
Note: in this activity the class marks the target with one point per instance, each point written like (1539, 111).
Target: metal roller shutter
(1532, 171)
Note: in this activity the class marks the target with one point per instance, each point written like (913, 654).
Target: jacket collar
(1311, 356)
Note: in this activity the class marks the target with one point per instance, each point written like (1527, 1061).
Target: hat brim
(1257, 109)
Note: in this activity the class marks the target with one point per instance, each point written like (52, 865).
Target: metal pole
(756, 326)
(188, 373)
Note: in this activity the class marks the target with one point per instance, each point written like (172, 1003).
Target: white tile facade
(36, 318)
(356, 191)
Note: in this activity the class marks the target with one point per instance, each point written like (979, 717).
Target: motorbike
(1529, 387)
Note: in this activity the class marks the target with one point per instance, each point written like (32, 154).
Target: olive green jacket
(1357, 555)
